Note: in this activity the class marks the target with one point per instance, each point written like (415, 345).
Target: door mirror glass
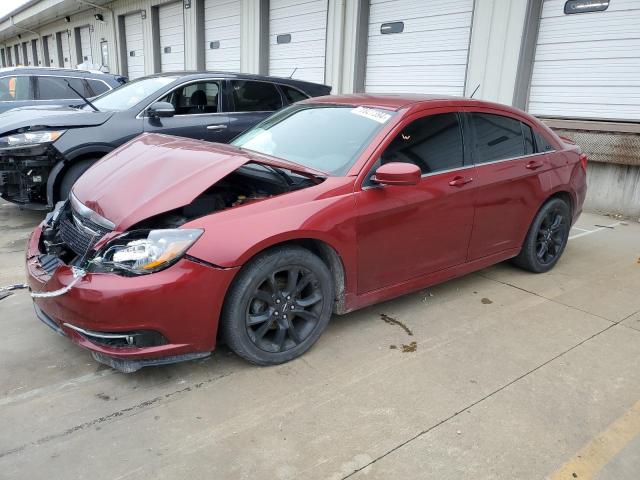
(397, 173)
(161, 109)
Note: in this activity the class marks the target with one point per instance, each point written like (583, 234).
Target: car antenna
(82, 96)
(474, 92)
(294, 71)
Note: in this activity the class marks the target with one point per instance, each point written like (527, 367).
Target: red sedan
(168, 244)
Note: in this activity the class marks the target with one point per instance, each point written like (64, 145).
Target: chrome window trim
(424, 175)
(513, 158)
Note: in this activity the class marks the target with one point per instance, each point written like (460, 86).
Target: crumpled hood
(51, 117)
(153, 174)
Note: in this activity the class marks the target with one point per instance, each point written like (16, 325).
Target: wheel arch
(327, 253)
(58, 171)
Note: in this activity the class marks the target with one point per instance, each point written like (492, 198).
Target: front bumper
(181, 303)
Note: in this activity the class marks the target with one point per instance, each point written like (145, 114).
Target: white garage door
(26, 46)
(134, 41)
(222, 35)
(52, 50)
(171, 37)
(297, 39)
(418, 47)
(66, 50)
(85, 45)
(587, 65)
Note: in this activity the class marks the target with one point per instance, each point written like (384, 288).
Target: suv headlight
(30, 138)
(140, 252)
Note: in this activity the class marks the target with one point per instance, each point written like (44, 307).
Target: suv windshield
(130, 93)
(328, 138)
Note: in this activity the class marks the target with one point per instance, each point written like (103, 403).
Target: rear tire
(547, 237)
(72, 174)
(278, 306)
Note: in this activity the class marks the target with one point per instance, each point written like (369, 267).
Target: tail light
(583, 161)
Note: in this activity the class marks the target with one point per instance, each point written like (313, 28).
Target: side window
(433, 143)
(292, 95)
(541, 143)
(195, 98)
(54, 88)
(529, 146)
(97, 87)
(15, 88)
(496, 137)
(249, 96)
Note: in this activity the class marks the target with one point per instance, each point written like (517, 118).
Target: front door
(199, 113)
(405, 232)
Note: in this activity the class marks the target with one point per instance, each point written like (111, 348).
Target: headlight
(141, 252)
(30, 138)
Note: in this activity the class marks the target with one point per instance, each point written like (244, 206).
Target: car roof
(186, 75)
(49, 70)
(411, 101)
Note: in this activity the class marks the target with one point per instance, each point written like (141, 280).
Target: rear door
(250, 102)
(509, 178)
(199, 112)
(406, 232)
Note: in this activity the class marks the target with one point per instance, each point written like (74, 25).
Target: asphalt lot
(512, 375)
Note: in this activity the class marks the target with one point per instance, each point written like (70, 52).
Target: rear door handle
(533, 165)
(216, 127)
(460, 181)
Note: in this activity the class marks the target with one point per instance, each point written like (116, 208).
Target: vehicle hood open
(154, 173)
(39, 117)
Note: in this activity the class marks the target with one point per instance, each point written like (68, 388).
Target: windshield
(328, 138)
(130, 93)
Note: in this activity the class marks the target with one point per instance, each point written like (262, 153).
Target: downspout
(41, 52)
(114, 30)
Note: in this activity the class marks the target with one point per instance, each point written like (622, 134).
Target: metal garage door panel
(171, 22)
(135, 45)
(428, 56)
(29, 54)
(52, 50)
(222, 31)
(85, 44)
(587, 65)
(305, 53)
(66, 50)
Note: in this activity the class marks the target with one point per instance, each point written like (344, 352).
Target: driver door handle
(459, 181)
(533, 165)
(216, 127)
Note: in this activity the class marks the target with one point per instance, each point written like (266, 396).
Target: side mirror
(161, 109)
(397, 173)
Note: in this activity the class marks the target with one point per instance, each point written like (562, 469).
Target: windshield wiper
(86, 100)
(281, 173)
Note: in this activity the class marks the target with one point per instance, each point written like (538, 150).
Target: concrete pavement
(512, 375)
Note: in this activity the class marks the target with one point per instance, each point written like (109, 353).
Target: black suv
(44, 151)
(26, 86)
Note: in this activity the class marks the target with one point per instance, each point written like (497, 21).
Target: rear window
(97, 87)
(496, 137)
(55, 88)
(292, 95)
(249, 96)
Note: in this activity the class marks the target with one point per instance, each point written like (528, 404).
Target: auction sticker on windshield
(372, 114)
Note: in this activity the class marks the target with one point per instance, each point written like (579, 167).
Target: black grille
(78, 239)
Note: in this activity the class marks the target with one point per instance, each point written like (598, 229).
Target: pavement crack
(473, 404)
(546, 298)
(119, 413)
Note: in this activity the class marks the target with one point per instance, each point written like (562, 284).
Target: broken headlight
(141, 252)
(30, 138)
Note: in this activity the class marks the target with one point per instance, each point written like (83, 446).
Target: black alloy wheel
(284, 309)
(278, 305)
(547, 237)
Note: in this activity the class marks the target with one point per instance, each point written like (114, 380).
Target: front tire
(71, 175)
(278, 306)
(547, 237)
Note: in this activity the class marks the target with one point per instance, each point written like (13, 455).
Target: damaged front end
(26, 160)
